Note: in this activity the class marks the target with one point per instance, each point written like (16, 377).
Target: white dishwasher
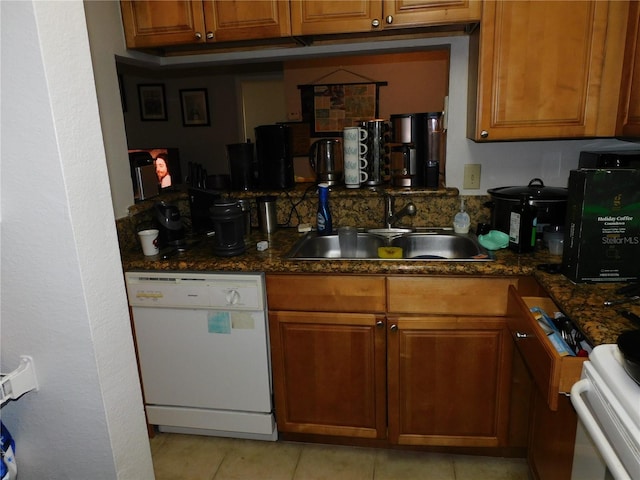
(203, 352)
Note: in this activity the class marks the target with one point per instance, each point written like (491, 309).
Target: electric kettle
(326, 160)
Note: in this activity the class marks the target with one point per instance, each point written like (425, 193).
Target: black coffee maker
(169, 222)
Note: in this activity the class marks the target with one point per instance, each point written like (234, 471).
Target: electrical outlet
(471, 176)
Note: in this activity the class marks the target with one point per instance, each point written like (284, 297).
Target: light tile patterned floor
(193, 457)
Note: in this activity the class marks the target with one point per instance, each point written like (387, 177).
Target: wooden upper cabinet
(246, 20)
(408, 13)
(316, 17)
(159, 23)
(629, 111)
(546, 69)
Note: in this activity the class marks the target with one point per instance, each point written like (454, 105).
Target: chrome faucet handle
(389, 203)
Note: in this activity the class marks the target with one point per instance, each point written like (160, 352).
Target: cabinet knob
(393, 328)
(375, 23)
(198, 36)
(209, 35)
(522, 335)
(379, 323)
(484, 134)
(389, 19)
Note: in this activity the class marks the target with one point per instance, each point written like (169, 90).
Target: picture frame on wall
(195, 107)
(152, 102)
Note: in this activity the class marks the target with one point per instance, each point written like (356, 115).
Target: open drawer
(552, 373)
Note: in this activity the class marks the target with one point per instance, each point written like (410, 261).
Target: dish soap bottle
(325, 223)
(461, 221)
(522, 226)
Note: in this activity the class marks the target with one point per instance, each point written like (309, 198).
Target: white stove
(607, 401)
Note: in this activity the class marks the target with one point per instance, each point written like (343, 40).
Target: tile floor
(192, 457)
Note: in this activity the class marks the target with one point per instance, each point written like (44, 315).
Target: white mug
(354, 141)
(354, 173)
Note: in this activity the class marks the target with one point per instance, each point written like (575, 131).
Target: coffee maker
(169, 223)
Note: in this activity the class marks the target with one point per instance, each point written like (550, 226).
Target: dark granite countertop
(583, 303)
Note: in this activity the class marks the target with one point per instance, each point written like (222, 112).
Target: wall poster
(330, 107)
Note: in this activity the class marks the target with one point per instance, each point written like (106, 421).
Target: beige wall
(416, 82)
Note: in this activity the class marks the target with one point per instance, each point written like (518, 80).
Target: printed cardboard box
(602, 234)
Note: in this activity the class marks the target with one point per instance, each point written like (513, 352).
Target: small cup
(348, 238)
(555, 246)
(149, 241)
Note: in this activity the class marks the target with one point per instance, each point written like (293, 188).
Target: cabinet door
(157, 23)
(313, 17)
(541, 69)
(329, 373)
(629, 110)
(246, 19)
(552, 439)
(414, 13)
(449, 380)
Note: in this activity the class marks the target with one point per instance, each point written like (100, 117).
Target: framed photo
(152, 102)
(195, 107)
(331, 107)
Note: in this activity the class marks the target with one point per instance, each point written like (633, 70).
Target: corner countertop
(582, 303)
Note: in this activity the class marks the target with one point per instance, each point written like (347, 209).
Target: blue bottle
(325, 223)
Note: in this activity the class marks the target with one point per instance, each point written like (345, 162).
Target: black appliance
(610, 159)
(423, 134)
(228, 222)
(550, 203)
(242, 166)
(169, 222)
(200, 203)
(275, 161)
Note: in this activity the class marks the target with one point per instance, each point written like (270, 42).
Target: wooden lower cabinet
(553, 434)
(329, 373)
(406, 378)
(449, 380)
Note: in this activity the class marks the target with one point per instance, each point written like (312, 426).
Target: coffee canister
(228, 224)
(267, 213)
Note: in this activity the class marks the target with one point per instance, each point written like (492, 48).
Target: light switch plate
(471, 176)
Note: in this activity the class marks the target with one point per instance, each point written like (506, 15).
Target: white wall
(63, 299)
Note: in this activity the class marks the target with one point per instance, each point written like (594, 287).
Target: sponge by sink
(390, 252)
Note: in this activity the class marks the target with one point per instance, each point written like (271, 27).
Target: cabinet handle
(198, 36)
(379, 323)
(209, 35)
(389, 19)
(393, 327)
(484, 134)
(375, 23)
(522, 335)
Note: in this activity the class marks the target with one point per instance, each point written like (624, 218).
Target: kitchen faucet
(389, 217)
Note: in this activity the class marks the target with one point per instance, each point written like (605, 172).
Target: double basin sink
(428, 244)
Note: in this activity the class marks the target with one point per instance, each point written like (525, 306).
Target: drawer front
(320, 293)
(448, 295)
(552, 373)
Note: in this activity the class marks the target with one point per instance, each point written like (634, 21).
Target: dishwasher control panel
(233, 291)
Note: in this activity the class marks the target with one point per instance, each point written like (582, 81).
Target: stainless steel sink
(428, 245)
(439, 246)
(312, 247)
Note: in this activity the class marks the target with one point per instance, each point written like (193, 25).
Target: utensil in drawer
(629, 315)
(611, 303)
